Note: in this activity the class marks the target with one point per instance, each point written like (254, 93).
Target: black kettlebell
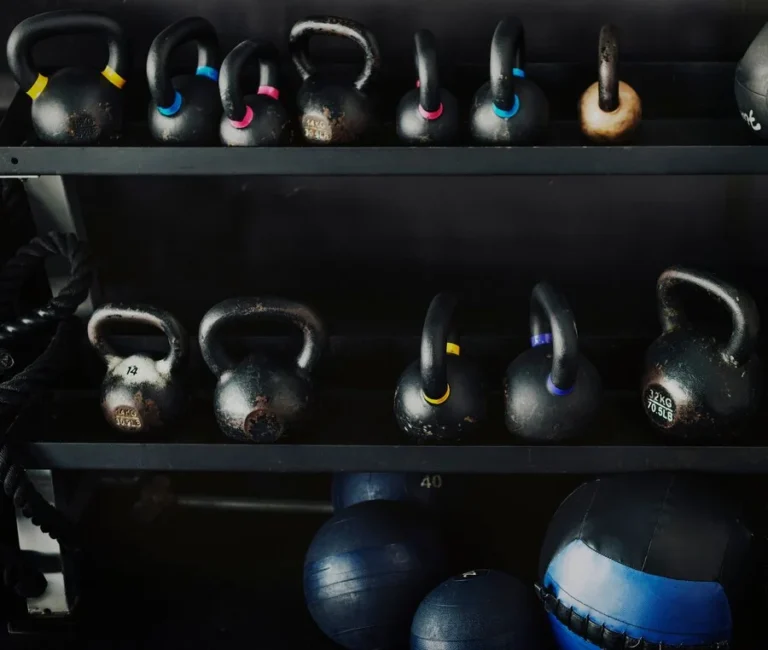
(694, 385)
(751, 84)
(441, 397)
(509, 109)
(74, 106)
(256, 120)
(259, 398)
(551, 392)
(333, 112)
(428, 114)
(139, 393)
(185, 109)
(609, 110)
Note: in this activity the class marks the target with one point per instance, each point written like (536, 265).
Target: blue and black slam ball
(355, 487)
(641, 561)
(478, 610)
(367, 570)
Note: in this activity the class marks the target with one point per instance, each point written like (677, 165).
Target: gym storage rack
(602, 240)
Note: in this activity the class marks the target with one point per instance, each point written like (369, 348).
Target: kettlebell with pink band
(254, 120)
(428, 114)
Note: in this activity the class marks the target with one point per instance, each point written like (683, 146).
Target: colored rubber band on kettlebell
(173, 108)
(112, 77)
(510, 113)
(453, 348)
(559, 392)
(270, 91)
(207, 71)
(439, 400)
(430, 115)
(541, 339)
(241, 124)
(38, 87)
(518, 72)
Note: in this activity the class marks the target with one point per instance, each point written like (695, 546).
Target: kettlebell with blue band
(441, 396)
(74, 106)
(428, 114)
(551, 391)
(185, 109)
(509, 109)
(257, 119)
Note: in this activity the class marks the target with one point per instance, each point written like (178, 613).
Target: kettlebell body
(441, 397)
(510, 109)
(255, 120)
(74, 106)
(609, 110)
(751, 84)
(333, 112)
(428, 114)
(185, 109)
(259, 398)
(695, 387)
(139, 393)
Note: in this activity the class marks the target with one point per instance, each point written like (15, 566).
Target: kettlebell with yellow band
(74, 106)
(441, 397)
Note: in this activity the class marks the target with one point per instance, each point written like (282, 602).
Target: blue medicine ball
(366, 571)
(642, 561)
(478, 610)
(356, 487)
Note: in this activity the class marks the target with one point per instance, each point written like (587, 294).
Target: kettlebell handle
(745, 318)
(141, 314)
(193, 29)
(55, 23)
(507, 54)
(230, 88)
(260, 309)
(426, 65)
(437, 333)
(302, 32)
(552, 322)
(608, 70)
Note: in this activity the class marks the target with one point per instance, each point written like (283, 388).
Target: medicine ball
(351, 488)
(645, 561)
(478, 610)
(366, 571)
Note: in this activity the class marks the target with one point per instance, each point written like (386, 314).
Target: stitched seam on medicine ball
(552, 605)
(658, 520)
(598, 484)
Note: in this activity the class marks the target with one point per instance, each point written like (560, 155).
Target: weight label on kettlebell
(127, 417)
(316, 129)
(660, 406)
(132, 370)
(434, 481)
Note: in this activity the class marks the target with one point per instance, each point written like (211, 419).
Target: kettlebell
(509, 109)
(610, 109)
(428, 114)
(139, 393)
(253, 120)
(441, 397)
(551, 391)
(695, 387)
(333, 112)
(185, 109)
(751, 84)
(74, 106)
(260, 397)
